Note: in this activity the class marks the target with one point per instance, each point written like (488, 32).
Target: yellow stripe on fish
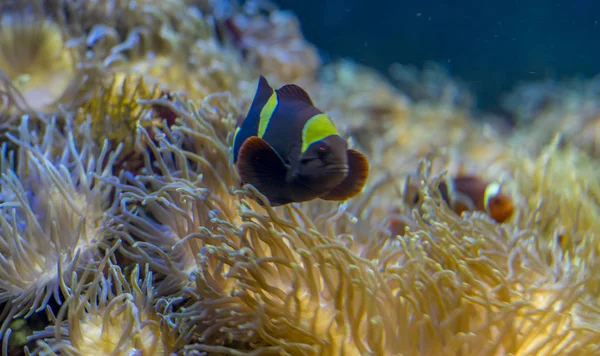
(266, 113)
(491, 191)
(317, 128)
(237, 131)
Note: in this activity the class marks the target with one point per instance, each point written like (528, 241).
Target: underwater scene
(200, 177)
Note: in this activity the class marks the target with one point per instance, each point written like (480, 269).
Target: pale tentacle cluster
(51, 218)
(112, 315)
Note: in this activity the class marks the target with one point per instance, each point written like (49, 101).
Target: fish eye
(323, 149)
(499, 200)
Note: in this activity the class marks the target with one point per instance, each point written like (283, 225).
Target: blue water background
(491, 45)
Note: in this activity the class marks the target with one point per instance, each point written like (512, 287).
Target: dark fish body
(291, 152)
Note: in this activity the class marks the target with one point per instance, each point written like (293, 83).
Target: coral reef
(124, 229)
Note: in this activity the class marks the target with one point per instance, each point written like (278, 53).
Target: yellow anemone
(35, 58)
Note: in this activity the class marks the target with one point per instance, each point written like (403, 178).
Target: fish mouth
(337, 168)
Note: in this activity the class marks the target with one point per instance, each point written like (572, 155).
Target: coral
(272, 42)
(542, 109)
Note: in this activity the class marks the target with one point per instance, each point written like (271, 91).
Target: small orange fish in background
(470, 193)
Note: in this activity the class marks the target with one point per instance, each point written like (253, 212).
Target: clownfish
(291, 152)
(471, 193)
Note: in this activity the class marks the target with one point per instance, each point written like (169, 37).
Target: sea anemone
(123, 218)
(138, 27)
(120, 34)
(181, 162)
(205, 68)
(170, 238)
(476, 287)
(113, 315)
(561, 190)
(51, 218)
(110, 111)
(265, 281)
(184, 223)
(38, 67)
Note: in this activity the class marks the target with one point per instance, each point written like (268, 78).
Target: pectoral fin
(258, 164)
(355, 180)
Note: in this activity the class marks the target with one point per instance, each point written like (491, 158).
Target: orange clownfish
(470, 193)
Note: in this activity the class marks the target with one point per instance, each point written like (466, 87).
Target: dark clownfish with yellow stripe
(291, 152)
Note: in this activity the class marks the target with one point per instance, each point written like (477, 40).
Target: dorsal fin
(292, 91)
(263, 90)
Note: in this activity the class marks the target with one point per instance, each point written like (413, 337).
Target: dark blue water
(489, 44)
